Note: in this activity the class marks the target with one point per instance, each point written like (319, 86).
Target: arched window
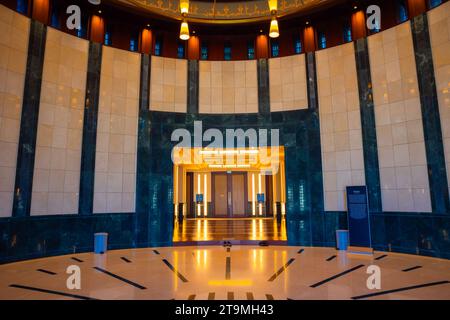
(227, 51)
(402, 11)
(180, 50)
(250, 50)
(54, 19)
(158, 47)
(133, 44)
(274, 48)
(347, 34)
(322, 40)
(204, 51)
(377, 27)
(22, 6)
(108, 40)
(81, 33)
(297, 45)
(434, 3)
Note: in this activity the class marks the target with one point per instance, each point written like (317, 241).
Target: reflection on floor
(239, 272)
(252, 229)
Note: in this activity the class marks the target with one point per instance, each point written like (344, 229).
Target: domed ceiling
(225, 11)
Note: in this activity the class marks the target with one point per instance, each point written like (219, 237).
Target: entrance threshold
(229, 219)
(242, 230)
(225, 243)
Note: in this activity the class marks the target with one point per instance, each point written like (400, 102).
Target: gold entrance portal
(223, 194)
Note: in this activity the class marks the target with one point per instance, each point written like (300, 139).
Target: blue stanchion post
(100, 242)
(342, 239)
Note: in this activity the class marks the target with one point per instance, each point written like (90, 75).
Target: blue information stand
(358, 219)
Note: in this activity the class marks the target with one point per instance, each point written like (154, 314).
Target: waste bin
(342, 239)
(100, 242)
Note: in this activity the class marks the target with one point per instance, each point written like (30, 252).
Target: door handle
(229, 198)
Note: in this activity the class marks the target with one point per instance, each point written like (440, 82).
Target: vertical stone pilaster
(29, 120)
(89, 142)
(437, 173)
(368, 127)
(141, 219)
(263, 86)
(193, 87)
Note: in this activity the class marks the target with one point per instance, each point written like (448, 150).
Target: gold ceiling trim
(222, 12)
(223, 159)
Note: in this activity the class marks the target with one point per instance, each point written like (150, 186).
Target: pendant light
(184, 28)
(274, 31)
(184, 31)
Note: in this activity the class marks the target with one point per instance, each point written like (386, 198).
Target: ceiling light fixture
(273, 6)
(184, 29)
(274, 31)
(184, 6)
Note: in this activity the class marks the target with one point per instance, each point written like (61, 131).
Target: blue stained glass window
(322, 40)
(108, 40)
(402, 12)
(54, 22)
(158, 47)
(22, 6)
(251, 51)
(435, 3)
(297, 45)
(348, 34)
(377, 26)
(275, 48)
(81, 32)
(204, 51)
(133, 45)
(180, 51)
(227, 52)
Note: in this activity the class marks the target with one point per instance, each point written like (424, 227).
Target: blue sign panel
(260, 198)
(199, 198)
(358, 217)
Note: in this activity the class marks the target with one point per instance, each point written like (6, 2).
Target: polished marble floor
(221, 273)
(242, 229)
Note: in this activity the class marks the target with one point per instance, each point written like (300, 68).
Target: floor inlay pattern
(227, 273)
